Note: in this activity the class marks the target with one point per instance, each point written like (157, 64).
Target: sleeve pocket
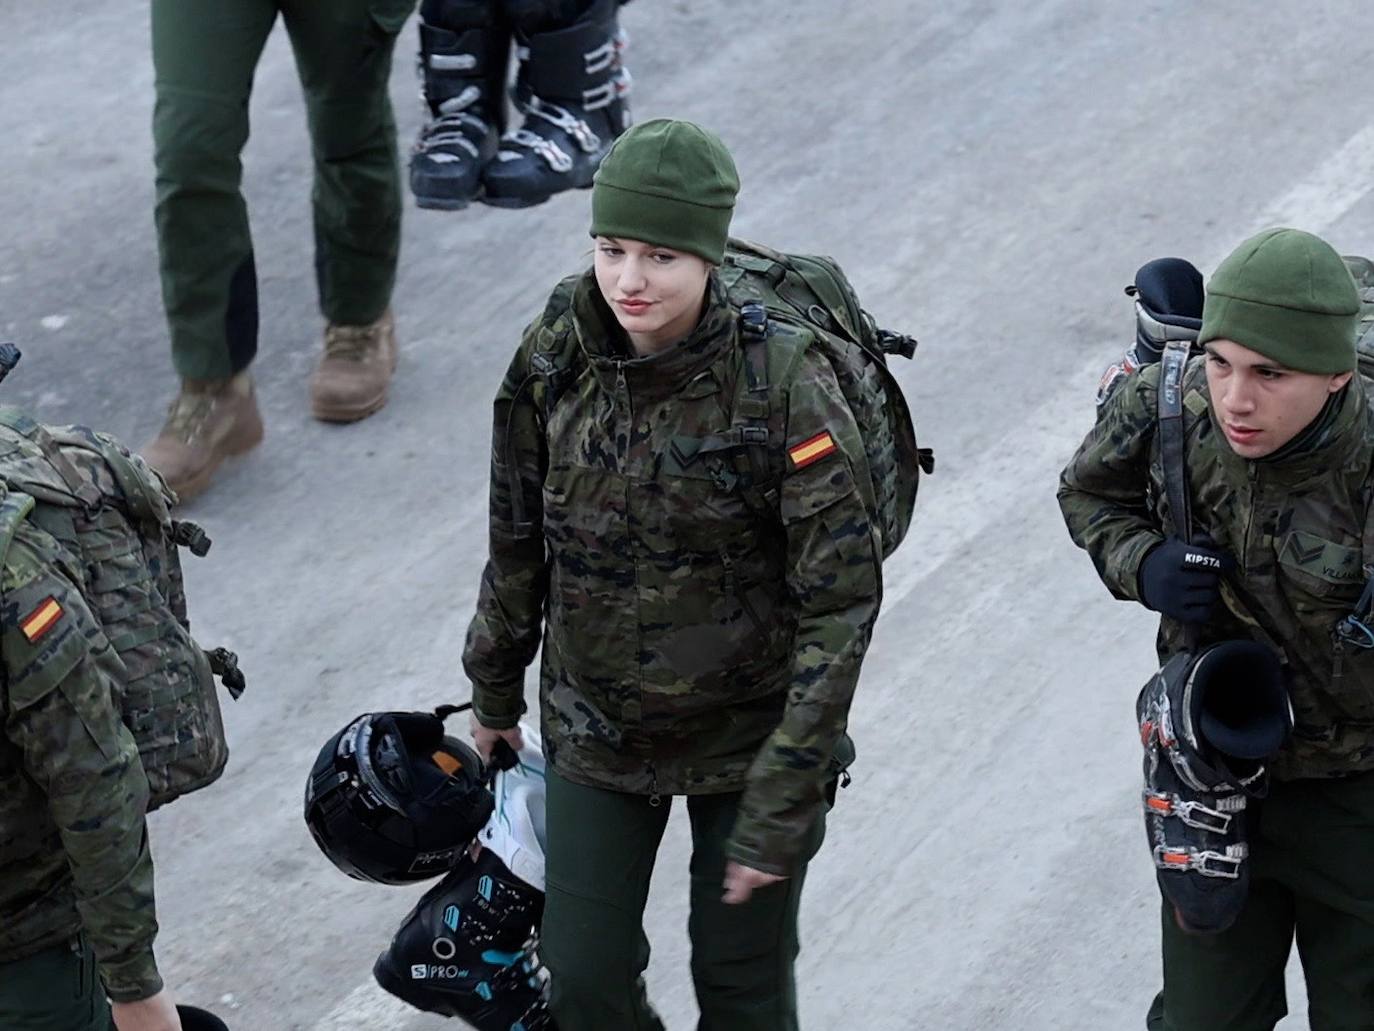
(814, 489)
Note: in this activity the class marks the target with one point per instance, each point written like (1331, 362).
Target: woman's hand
(741, 881)
(485, 738)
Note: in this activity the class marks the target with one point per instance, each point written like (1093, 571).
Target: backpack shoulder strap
(553, 366)
(1171, 435)
(772, 353)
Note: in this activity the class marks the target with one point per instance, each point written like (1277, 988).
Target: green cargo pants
(1312, 877)
(204, 56)
(54, 990)
(601, 851)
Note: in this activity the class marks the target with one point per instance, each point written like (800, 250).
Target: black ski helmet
(196, 1019)
(392, 799)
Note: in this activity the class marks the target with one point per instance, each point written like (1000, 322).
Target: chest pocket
(1324, 574)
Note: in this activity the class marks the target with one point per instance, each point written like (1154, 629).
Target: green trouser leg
(54, 990)
(601, 851)
(742, 955)
(1312, 878)
(343, 53)
(204, 55)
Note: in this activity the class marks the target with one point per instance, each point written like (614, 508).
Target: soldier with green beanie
(204, 56)
(692, 643)
(1279, 452)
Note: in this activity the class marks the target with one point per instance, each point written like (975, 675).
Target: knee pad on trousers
(197, 142)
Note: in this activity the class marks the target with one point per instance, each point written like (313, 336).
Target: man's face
(1260, 404)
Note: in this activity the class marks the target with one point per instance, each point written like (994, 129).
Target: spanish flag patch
(813, 449)
(41, 620)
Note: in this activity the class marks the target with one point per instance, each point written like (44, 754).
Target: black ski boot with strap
(465, 950)
(572, 90)
(462, 71)
(1209, 722)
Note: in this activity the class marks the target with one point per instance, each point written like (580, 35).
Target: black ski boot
(573, 91)
(1208, 724)
(465, 950)
(1168, 306)
(463, 76)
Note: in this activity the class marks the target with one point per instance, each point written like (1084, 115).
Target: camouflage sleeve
(504, 634)
(1103, 489)
(61, 674)
(834, 575)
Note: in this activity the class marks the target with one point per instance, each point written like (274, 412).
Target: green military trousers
(54, 990)
(601, 851)
(204, 56)
(1312, 879)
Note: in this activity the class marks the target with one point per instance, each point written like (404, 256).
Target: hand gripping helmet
(392, 799)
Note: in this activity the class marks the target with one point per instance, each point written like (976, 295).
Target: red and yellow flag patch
(41, 620)
(813, 449)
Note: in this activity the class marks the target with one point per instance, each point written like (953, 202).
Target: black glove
(1183, 581)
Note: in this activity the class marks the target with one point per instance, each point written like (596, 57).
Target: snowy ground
(990, 174)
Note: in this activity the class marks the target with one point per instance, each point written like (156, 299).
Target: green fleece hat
(1288, 295)
(668, 183)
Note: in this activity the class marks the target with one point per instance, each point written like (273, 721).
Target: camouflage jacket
(691, 643)
(73, 844)
(1293, 522)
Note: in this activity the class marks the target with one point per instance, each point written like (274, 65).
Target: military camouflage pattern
(691, 644)
(1293, 522)
(107, 508)
(73, 845)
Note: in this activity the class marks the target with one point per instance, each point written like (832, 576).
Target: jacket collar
(655, 376)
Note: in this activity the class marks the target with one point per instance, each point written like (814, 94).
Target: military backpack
(110, 511)
(792, 304)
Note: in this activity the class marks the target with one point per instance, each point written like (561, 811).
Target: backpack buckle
(189, 535)
(753, 319)
(890, 342)
(225, 664)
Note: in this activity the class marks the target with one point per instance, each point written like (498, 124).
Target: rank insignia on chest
(813, 449)
(41, 620)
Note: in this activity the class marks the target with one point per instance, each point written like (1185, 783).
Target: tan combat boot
(351, 380)
(209, 421)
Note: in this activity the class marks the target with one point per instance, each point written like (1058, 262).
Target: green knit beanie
(668, 183)
(1288, 295)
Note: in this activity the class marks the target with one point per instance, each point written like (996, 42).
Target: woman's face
(657, 293)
